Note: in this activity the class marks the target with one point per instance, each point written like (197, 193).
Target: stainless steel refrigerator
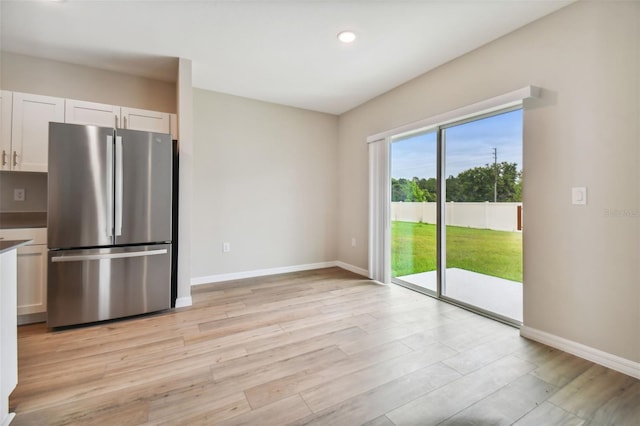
(109, 223)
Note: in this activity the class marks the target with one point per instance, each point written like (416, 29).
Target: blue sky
(467, 145)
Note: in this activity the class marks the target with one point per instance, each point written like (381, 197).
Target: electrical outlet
(18, 194)
(226, 247)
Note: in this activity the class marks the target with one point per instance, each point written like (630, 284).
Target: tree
(477, 184)
(471, 185)
(416, 193)
(407, 190)
(429, 187)
(509, 182)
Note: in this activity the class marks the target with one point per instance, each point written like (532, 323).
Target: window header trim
(487, 106)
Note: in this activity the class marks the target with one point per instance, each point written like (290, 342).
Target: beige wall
(581, 273)
(29, 74)
(265, 180)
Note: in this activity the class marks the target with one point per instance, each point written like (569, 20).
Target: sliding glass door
(456, 213)
(483, 187)
(413, 210)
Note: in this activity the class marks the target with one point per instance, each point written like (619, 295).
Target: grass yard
(495, 253)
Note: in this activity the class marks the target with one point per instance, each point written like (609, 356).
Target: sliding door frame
(441, 236)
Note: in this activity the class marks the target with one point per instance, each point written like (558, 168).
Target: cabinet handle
(4, 157)
(15, 158)
(124, 121)
(116, 120)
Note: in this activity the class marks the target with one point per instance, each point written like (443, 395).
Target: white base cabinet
(32, 281)
(32, 269)
(8, 333)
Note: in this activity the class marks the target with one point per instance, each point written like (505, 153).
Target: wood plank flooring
(323, 347)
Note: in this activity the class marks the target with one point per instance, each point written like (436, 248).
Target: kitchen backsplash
(35, 191)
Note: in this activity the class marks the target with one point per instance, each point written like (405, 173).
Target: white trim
(260, 273)
(606, 359)
(483, 107)
(351, 268)
(379, 253)
(8, 418)
(182, 302)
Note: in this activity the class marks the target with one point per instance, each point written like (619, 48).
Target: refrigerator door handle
(109, 178)
(119, 183)
(83, 257)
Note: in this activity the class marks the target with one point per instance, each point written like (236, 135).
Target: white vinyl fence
(497, 216)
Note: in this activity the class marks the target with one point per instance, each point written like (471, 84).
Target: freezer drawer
(99, 284)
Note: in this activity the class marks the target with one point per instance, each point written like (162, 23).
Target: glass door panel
(413, 211)
(482, 214)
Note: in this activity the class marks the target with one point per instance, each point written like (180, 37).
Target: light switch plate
(579, 196)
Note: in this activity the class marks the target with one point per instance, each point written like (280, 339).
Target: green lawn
(495, 253)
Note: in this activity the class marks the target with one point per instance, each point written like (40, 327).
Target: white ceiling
(278, 51)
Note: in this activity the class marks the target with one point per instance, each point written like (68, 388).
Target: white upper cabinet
(30, 130)
(81, 112)
(5, 129)
(24, 125)
(150, 121)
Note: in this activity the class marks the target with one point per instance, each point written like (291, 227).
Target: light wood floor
(323, 347)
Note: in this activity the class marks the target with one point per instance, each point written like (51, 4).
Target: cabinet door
(30, 130)
(5, 129)
(8, 332)
(150, 121)
(81, 112)
(32, 279)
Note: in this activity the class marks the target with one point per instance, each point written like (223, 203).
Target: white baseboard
(259, 273)
(8, 418)
(182, 302)
(273, 271)
(605, 359)
(352, 268)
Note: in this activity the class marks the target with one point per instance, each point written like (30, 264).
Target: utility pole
(495, 175)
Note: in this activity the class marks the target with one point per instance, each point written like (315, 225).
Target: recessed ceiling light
(347, 36)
